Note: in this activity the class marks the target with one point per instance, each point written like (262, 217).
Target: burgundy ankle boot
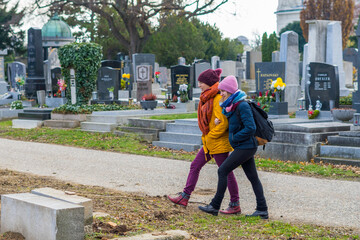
(181, 199)
(234, 208)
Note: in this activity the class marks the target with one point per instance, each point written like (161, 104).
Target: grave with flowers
(279, 107)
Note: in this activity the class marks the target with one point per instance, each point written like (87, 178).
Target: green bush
(85, 59)
(87, 109)
(16, 105)
(347, 100)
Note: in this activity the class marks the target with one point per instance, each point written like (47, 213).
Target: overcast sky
(235, 18)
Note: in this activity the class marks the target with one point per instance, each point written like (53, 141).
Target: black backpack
(264, 127)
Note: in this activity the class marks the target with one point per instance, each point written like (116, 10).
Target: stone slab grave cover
(108, 77)
(37, 217)
(324, 85)
(180, 74)
(15, 69)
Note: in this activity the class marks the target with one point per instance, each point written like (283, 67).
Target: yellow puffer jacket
(217, 140)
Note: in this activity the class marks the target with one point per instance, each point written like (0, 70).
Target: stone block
(61, 123)
(167, 235)
(98, 127)
(340, 152)
(37, 217)
(183, 128)
(177, 146)
(180, 138)
(7, 113)
(74, 199)
(149, 123)
(104, 119)
(287, 151)
(55, 102)
(27, 124)
(278, 108)
(73, 117)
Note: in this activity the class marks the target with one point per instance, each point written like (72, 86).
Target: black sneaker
(209, 209)
(262, 214)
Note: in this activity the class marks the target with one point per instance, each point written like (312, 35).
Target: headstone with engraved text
(16, 69)
(180, 74)
(107, 78)
(266, 72)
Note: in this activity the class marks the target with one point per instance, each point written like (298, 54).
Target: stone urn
(148, 104)
(343, 114)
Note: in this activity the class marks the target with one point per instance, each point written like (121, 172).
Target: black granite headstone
(55, 75)
(324, 85)
(266, 72)
(35, 80)
(15, 69)
(107, 78)
(247, 70)
(180, 74)
(111, 63)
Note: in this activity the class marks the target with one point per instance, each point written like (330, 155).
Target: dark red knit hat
(210, 76)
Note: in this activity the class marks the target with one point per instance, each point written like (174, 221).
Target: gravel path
(291, 198)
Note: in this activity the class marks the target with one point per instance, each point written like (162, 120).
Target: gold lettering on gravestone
(181, 78)
(270, 77)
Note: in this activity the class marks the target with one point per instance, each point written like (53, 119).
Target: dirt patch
(12, 236)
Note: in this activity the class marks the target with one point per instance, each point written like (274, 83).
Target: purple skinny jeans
(196, 166)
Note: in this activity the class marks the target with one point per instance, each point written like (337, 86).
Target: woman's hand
(217, 121)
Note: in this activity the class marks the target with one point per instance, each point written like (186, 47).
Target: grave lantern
(301, 104)
(356, 119)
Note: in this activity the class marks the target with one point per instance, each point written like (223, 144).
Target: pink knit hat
(229, 84)
(210, 77)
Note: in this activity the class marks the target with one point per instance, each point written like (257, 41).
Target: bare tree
(137, 15)
(339, 10)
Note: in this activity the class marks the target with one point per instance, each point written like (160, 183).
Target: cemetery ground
(136, 213)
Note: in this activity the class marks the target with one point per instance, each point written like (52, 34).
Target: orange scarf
(205, 107)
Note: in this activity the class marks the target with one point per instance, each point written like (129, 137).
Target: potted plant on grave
(148, 101)
(183, 93)
(124, 85)
(279, 107)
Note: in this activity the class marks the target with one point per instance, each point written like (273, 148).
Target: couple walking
(223, 132)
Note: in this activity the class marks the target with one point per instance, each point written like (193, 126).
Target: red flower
(260, 94)
(267, 92)
(258, 104)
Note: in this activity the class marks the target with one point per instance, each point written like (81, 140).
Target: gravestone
(228, 68)
(289, 53)
(324, 86)
(111, 63)
(240, 70)
(334, 53)
(252, 57)
(350, 55)
(107, 78)
(305, 62)
(181, 61)
(51, 63)
(35, 80)
(267, 72)
(3, 84)
(215, 62)
(16, 69)
(164, 75)
(356, 93)
(143, 81)
(180, 74)
(275, 56)
(317, 40)
(198, 68)
(143, 59)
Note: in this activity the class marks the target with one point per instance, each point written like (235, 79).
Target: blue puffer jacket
(241, 135)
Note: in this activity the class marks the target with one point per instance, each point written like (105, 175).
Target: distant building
(244, 40)
(288, 11)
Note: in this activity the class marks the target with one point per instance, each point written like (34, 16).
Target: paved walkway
(291, 198)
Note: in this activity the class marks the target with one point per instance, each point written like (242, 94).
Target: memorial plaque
(266, 72)
(324, 85)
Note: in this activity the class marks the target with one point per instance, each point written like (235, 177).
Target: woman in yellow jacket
(214, 138)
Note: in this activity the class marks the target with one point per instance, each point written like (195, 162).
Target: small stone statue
(310, 107)
(318, 105)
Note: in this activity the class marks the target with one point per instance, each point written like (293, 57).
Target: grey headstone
(324, 85)
(317, 40)
(304, 78)
(181, 61)
(143, 59)
(199, 68)
(3, 84)
(164, 75)
(228, 68)
(252, 58)
(334, 55)
(275, 56)
(267, 72)
(350, 55)
(289, 53)
(107, 78)
(16, 69)
(215, 62)
(180, 74)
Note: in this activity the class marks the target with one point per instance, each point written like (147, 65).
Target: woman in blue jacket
(242, 139)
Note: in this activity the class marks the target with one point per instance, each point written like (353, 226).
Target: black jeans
(245, 158)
